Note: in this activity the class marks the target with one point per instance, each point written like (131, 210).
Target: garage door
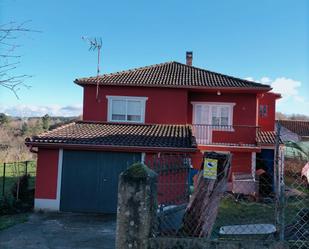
(90, 180)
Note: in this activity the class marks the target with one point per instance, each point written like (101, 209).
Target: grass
(13, 171)
(232, 212)
(7, 221)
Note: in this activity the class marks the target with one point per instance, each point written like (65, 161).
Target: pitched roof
(267, 137)
(299, 127)
(119, 136)
(171, 74)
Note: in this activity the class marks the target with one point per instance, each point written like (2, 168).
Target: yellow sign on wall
(210, 168)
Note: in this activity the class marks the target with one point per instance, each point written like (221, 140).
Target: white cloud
(292, 100)
(265, 80)
(38, 111)
(249, 78)
(286, 86)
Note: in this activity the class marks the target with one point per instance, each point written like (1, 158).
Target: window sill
(125, 122)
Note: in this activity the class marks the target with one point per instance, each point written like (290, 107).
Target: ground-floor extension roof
(267, 138)
(138, 137)
(133, 137)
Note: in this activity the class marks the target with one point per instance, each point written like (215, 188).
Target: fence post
(3, 180)
(282, 196)
(26, 167)
(137, 206)
(279, 187)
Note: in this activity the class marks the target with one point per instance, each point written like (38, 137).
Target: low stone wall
(196, 243)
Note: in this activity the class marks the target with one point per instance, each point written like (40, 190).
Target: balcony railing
(232, 135)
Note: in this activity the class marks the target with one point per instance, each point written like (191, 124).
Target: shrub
(21, 200)
(6, 205)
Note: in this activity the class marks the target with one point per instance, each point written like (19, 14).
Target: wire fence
(297, 201)
(10, 173)
(268, 204)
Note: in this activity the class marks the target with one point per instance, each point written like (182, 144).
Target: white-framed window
(207, 113)
(221, 115)
(126, 109)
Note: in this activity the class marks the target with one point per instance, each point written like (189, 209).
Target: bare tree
(9, 58)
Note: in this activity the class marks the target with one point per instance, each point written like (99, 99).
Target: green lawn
(7, 221)
(233, 212)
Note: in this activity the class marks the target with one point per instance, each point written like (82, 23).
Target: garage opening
(90, 180)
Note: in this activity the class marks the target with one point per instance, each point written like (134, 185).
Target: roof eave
(110, 147)
(257, 89)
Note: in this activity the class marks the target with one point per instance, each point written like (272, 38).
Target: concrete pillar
(137, 207)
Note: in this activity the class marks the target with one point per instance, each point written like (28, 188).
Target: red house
(134, 114)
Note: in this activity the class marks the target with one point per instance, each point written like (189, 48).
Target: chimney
(189, 58)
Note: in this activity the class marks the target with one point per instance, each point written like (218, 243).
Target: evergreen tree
(3, 119)
(24, 129)
(45, 122)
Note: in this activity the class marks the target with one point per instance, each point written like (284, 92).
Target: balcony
(225, 135)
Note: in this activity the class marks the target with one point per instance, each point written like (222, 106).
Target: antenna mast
(95, 44)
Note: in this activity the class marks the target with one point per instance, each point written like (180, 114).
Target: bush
(20, 188)
(6, 205)
(24, 202)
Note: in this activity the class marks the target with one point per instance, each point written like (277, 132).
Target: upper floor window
(126, 109)
(221, 115)
(263, 111)
(218, 114)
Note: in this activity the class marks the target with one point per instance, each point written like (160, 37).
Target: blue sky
(267, 41)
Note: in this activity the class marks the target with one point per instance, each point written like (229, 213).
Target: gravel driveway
(61, 231)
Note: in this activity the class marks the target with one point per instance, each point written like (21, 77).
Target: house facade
(129, 116)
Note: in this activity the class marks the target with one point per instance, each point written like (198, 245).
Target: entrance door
(90, 180)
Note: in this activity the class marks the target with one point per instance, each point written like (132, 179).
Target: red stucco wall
(268, 123)
(163, 105)
(46, 176)
(244, 110)
(244, 114)
(241, 162)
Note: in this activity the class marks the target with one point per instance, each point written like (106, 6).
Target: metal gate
(90, 180)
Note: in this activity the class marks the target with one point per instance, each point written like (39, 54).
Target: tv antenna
(95, 44)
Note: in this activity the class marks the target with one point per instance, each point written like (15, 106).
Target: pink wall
(164, 105)
(46, 174)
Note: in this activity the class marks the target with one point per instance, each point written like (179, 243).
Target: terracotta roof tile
(140, 135)
(171, 74)
(299, 127)
(267, 137)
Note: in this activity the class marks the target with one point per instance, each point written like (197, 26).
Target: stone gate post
(137, 206)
